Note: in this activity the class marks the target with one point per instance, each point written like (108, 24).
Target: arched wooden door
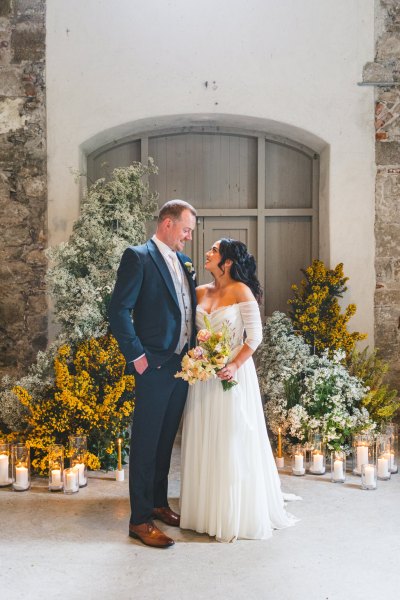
(259, 189)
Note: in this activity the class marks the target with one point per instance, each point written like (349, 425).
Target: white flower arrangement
(306, 393)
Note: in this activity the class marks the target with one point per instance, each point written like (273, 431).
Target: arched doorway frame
(319, 153)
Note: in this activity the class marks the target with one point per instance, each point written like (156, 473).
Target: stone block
(396, 270)
(29, 9)
(12, 309)
(388, 296)
(5, 8)
(37, 304)
(388, 196)
(28, 43)
(387, 153)
(374, 71)
(384, 270)
(13, 273)
(34, 186)
(36, 258)
(11, 82)
(37, 323)
(388, 46)
(11, 117)
(5, 47)
(387, 237)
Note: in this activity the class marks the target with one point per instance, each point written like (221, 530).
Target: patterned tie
(176, 265)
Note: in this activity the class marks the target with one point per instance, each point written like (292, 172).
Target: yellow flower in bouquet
(208, 357)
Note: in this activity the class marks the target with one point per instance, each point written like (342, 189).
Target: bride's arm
(250, 313)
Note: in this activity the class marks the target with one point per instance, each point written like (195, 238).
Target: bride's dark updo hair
(243, 264)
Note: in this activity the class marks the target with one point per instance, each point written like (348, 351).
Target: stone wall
(23, 188)
(386, 69)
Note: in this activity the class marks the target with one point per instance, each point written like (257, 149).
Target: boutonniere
(190, 269)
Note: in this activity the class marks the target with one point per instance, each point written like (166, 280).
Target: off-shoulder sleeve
(250, 313)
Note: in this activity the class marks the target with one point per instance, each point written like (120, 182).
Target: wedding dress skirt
(230, 486)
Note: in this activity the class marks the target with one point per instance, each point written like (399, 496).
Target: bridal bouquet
(208, 357)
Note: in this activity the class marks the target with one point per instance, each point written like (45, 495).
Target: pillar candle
(390, 457)
(362, 457)
(21, 477)
(4, 468)
(369, 475)
(383, 467)
(318, 462)
(80, 468)
(71, 480)
(338, 469)
(298, 462)
(56, 477)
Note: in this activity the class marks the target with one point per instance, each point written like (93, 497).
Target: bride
(230, 486)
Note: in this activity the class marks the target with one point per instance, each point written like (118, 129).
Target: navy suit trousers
(159, 404)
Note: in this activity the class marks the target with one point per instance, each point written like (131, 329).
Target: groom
(156, 283)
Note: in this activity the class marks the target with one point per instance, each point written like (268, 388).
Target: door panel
(287, 250)
(243, 229)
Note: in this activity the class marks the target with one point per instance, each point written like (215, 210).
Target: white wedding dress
(230, 486)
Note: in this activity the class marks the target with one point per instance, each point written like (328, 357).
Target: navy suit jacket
(145, 290)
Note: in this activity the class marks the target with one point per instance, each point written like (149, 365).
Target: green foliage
(381, 402)
(316, 313)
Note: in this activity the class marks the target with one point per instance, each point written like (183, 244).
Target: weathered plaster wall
(23, 187)
(292, 66)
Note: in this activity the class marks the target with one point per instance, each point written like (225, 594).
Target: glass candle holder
(384, 455)
(314, 439)
(56, 467)
(5, 464)
(392, 430)
(363, 452)
(21, 471)
(317, 458)
(71, 481)
(78, 452)
(298, 460)
(368, 477)
(338, 466)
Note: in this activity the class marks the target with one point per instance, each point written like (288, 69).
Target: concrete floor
(346, 546)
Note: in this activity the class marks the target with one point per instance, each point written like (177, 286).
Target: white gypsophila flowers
(306, 392)
(82, 275)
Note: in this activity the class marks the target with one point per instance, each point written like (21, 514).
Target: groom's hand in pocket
(141, 364)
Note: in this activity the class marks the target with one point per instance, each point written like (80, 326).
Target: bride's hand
(228, 372)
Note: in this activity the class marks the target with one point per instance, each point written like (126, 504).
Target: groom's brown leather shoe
(166, 515)
(150, 535)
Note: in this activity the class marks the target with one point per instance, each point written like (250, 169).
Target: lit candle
(119, 443)
(318, 462)
(80, 469)
(390, 458)
(298, 462)
(362, 457)
(56, 477)
(338, 469)
(71, 480)
(369, 475)
(21, 477)
(279, 443)
(383, 467)
(4, 468)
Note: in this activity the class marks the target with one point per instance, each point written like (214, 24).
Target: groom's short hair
(173, 210)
